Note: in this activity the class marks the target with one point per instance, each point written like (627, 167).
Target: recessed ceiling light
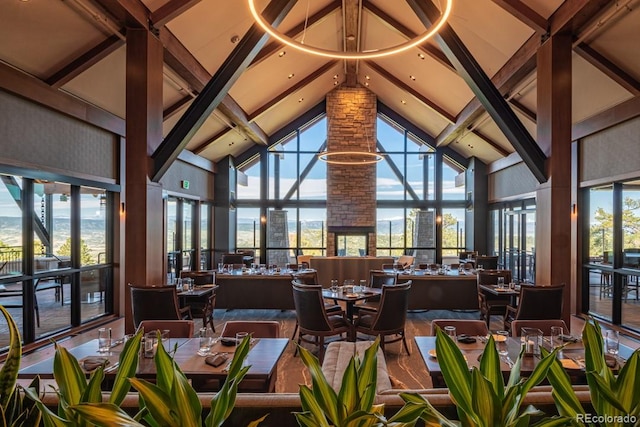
(282, 53)
(290, 76)
(366, 84)
(367, 77)
(235, 39)
(335, 83)
(403, 102)
(301, 99)
(470, 146)
(421, 55)
(335, 76)
(413, 78)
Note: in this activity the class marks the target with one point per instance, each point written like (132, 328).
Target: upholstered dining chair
(463, 326)
(204, 309)
(536, 303)
(233, 258)
(544, 325)
(156, 303)
(176, 328)
(488, 262)
(313, 319)
(311, 278)
(492, 304)
(378, 279)
(389, 319)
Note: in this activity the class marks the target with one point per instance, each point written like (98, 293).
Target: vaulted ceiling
(78, 47)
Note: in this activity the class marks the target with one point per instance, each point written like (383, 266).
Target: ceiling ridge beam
(217, 89)
(411, 91)
(481, 85)
(170, 10)
(85, 61)
(400, 28)
(314, 19)
(525, 14)
(610, 69)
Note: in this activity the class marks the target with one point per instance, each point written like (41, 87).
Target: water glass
(502, 345)
(532, 341)
(451, 331)
(612, 342)
(220, 267)
(206, 339)
(149, 344)
(556, 336)
(179, 285)
(104, 340)
(334, 286)
(500, 282)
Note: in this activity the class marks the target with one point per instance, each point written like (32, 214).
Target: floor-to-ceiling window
(291, 214)
(612, 250)
(513, 227)
(58, 274)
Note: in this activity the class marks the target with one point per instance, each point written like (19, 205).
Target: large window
(611, 269)
(292, 214)
(68, 247)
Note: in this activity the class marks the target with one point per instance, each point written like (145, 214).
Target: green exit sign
(185, 184)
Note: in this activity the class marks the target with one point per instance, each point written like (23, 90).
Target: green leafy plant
(613, 397)
(353, 405)
(171, 401)
(480, 394)
(16, 410)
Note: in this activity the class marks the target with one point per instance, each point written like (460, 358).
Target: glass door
(518, 243)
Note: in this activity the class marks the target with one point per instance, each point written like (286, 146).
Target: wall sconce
(263, 219)
(574, 209)
(122, 210)
(438, 219)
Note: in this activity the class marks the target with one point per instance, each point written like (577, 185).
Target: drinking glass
(206, 339)
(334, 286)
(179, 285)
(532, 341)
(612, 339)
(451, 331)
(149, 342)
(104, 340)
(240, 336)
(220, 267)
(501, 342)
(556, 336)
(500, 282)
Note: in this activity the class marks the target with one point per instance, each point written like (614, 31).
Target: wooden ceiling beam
(217, 89)
(170, 10)
(411, 91)
(400, 28)
(615, 115)
(85, 61)
(525, 14)
(499, 148)
(188, 68)
(610, 69)
(176, 107)
(528, 113)
(491, 99)
(128, 13)
(293, 89)
(572, 14)
(351, 38)
(314, 19)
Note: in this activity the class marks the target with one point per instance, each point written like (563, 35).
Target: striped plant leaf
(564, 396)
(348, 396)
(105, 415)
(325, 396)
(455, 371)
(186, 402)
(157, 402)
(68, 375)
(49, 418)
(368, 375)
(490, 367)
(313, 407)
(9, 371)
(127, 367)
(431, 416)
(486, 403)
(628, 383)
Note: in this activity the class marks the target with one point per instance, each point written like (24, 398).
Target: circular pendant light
(370, 54)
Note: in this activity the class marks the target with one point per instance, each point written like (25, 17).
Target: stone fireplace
(351, 190)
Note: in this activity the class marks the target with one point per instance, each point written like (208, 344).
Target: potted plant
(480, 394)
(615, 399)
(170, 401)
(353, 404)
(16, 410)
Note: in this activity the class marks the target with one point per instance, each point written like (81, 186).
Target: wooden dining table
(572, 358)
(350, 298)
(263, 358)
